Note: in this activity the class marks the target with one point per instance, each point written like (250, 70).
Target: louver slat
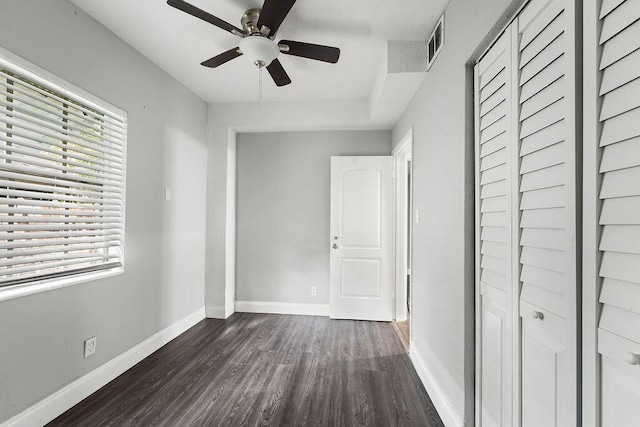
(619, 19)
(621, 100)
(620, 73)
(608, 6)
(621, 45)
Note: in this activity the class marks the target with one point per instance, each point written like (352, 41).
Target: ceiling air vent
(435, 42)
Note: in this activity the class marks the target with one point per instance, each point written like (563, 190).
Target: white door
(361, 241)
(547, 211)
(494, 289)
(617, 190)
(526, 227)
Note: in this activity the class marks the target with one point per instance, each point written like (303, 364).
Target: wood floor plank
(267, 370)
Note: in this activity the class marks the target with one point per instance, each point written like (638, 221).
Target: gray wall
(441, 114)
(283, 183)
(41, 336)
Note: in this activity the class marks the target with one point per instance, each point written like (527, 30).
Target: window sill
(36, 287)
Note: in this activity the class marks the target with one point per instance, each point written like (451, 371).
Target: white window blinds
(62, 180)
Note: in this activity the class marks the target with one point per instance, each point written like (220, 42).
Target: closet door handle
(633, 359)
(537, 315)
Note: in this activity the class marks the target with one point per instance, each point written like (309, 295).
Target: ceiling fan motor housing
(249, 21)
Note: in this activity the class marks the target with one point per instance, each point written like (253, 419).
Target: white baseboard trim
(282, 308)
(437, 395)
(217, 312)
(51, 407)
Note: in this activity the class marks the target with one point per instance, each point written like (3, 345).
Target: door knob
(633, 359)
(335, 246)
(537, 315)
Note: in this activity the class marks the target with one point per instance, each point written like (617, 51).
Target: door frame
(403, 229)
(591, 205)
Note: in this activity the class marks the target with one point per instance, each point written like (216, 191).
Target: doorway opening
(403, 236)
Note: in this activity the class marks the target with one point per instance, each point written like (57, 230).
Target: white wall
(441, 114)
(225, 120)
(41, 336)
(282, 194)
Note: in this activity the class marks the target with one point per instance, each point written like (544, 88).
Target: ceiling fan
(259, 28)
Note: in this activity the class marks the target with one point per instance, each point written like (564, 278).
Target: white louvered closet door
(527, 305)
(527, 280)
(493, 168)
(547, 211)
(619, 142)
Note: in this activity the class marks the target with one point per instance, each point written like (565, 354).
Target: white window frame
(25, 69)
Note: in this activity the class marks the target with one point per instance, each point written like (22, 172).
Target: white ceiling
(178, 42)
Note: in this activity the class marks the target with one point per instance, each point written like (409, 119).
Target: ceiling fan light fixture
(259, 28)
(261, 51)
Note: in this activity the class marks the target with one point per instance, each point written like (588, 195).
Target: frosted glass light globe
(261, 51)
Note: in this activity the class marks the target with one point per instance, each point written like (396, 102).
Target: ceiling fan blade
(218, 60)
(273, 13)
(311, 51)
(205, 16)
(278, 74)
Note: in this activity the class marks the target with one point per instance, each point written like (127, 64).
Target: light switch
(167, 194)
(417, 216)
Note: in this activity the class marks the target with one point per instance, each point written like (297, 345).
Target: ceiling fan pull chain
(260, 87)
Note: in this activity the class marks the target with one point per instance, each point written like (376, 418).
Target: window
(62, 178)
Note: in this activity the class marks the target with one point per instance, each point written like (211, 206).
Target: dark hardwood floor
(267, 370)
(402, 329)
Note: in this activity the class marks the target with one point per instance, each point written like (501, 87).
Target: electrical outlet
(314, 291)
(89, 347)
